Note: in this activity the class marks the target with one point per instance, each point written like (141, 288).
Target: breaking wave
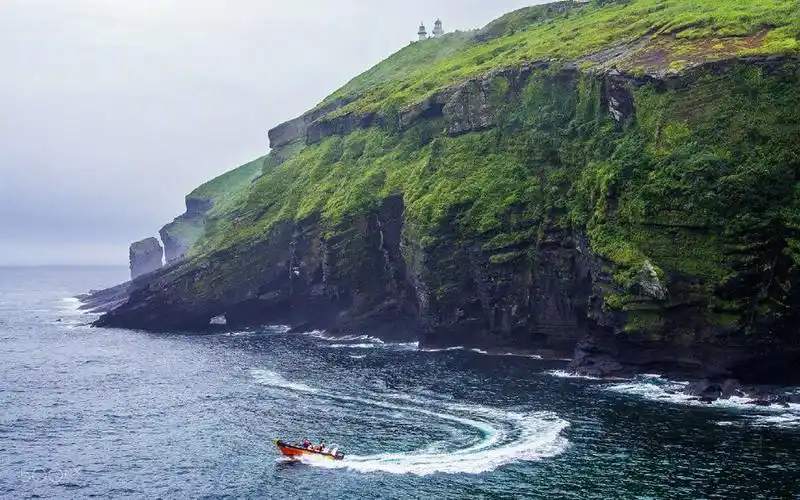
(71, 303)
(321, 335)
(370, 342)
(70, 315)
(480, 351)
(566, 374)
(411, 346)
(657, 388)
(497, 437)
(511, 354)
(443, 349)
(358, 342)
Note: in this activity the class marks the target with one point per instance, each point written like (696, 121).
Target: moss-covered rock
(535, 184)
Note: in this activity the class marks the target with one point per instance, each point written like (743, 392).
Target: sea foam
(657, 388)
(499, 437)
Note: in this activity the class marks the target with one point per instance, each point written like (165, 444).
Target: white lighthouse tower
(437, 29)
(423, 33)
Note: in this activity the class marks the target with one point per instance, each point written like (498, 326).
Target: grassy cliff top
(656, 35)
(222, 193)
(340, 174)
(222, 185)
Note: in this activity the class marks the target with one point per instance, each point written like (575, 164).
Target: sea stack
(146, 256)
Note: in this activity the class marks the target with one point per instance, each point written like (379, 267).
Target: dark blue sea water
(123, 414)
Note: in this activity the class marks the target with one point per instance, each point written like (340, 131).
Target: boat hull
(296, 452)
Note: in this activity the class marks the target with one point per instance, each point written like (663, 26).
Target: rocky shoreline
(698, 388)
(299, 278)
(707, 392)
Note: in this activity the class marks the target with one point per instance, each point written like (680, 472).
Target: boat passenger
(306, 444)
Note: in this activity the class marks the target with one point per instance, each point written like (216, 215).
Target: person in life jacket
(307, 444)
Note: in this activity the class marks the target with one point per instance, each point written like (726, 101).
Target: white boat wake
(499, 437)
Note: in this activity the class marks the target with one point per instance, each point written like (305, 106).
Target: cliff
(146, 256)
(627, 194)
(182, 235)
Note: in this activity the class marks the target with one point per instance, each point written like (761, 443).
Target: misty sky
(111, 111)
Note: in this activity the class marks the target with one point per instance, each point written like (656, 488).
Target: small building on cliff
(438, 30)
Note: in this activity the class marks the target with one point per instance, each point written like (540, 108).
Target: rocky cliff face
(370, 276)
(468, 107)
(349, 279)
(630, 208)
(528, 295)
(309, 127)
(146, 256)
(543, 287)
(180, 235)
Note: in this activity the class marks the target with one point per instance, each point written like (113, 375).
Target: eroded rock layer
(634, 207)
(146, 256)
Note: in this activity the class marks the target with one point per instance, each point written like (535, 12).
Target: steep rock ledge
(530, 295)
(349, 279)
(146, 256)
(180, 235)
(370, 276)
(557, 286)
(298, 128)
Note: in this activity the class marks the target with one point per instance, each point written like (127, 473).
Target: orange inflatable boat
(296, 451)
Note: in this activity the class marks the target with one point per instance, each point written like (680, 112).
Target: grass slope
(700, 189)
(571, 32)
(222, 192)
(224, 185)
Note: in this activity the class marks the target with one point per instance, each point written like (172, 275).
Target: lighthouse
(437, 28)
(423, 33)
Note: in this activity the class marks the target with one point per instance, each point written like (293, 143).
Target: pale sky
(111, 111)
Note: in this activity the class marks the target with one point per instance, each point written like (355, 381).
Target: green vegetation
(678, 33)
(704, 185)
(417, 56)
(185, 230)
(698, 188)
(222, 193)
(222, 187)
(488, 173)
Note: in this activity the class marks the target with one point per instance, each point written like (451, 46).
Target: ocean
(125, 414)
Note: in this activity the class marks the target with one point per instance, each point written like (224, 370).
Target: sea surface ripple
(124, 414)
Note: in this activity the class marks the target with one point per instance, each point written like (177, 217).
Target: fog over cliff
(113, 110)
